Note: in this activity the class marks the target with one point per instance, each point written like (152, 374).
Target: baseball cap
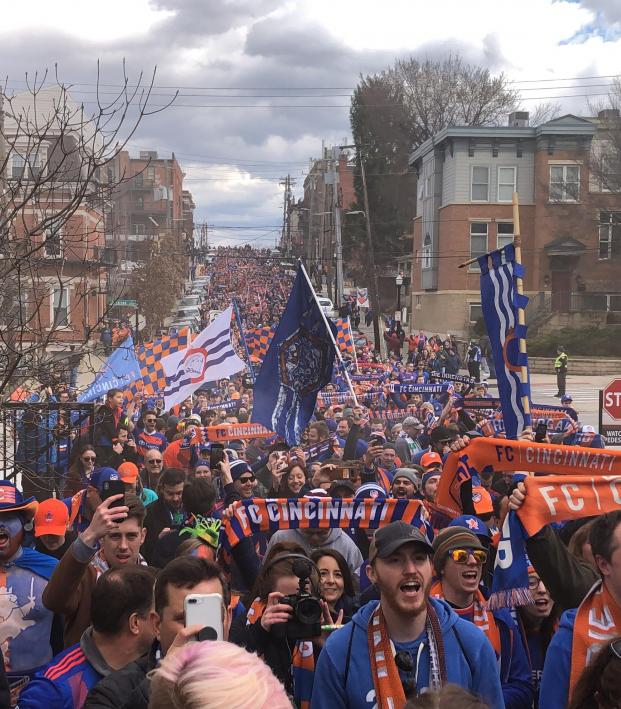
(566, 397)
(412, 421)
(128, 472)
(194, 418)
(431, 458)
(101, 475)
(472, 524)
(483, 504)
(51, 517)
(393, 536)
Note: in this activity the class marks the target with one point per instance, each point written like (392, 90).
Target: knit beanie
(428, 475)
(238, 468)
(408, 473)
(452, 538)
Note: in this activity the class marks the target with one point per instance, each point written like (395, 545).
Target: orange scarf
(483, 619)
(598, 621)
(389, 692)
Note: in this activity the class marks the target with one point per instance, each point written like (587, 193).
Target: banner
(500, 455)
(344, 338)
(419, 388)
(297, 365)
(501, 302)
(231, 432)
(259, 515)
(362, 298)
(210, 357)
(117, 372)
(464, 379)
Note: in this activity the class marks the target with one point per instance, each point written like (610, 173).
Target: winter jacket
(554, 690)
(66, 680)
(470, 662)
(124, 689)
(567, 579)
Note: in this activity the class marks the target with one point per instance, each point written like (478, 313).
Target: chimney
(518, 119)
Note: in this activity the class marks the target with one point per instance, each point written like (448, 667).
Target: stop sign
(612, 399)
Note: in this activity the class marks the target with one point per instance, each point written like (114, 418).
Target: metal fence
(37, 440)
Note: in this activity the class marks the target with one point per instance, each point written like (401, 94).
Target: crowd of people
(149, 513)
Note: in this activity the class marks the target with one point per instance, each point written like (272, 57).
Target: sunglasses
(150, 420)
(461, 556)
(154, 462)
(89, 459)
(249, 479)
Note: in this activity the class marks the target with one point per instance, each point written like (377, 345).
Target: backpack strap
(347, 660)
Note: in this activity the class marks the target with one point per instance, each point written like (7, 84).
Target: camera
(305, 621)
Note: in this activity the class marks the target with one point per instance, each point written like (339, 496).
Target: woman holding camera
(270, 621)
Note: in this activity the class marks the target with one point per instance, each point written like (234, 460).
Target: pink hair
(215, 675)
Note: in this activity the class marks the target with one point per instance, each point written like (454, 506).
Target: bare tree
(605, 161)
(544, 112)
(451, 93)
(55, 194)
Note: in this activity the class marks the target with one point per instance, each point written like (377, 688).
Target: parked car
(327, 307)
(189, 301)
(191, 312)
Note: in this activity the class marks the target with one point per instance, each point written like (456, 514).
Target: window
(475, 312)
(138, 229)
(427, 251)
(19, 163)
(17, 169)
(52, 239)
(139, 201)
(506, 183)
(609, 235)
(428, 189)
(138, 180)
(479, 184)
(478, 242)
(151, 173)
(564, 183)
(60, 306)
(504, 234)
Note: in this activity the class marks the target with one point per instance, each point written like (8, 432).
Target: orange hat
(483, 504)
(430, 459)
(128, 472)
(51, 517)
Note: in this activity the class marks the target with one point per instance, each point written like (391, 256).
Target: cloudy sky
(263, 82)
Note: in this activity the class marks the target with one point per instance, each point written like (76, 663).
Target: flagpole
(519, 284)
(243, 338)
(325, 320)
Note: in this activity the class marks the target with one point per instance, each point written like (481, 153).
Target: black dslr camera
(305, 621)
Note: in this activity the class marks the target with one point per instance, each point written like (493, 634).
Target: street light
(399, 282)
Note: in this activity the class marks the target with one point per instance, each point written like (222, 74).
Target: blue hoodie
(477, 672)
(554, 691)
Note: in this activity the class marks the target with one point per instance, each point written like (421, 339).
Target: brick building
(53, 241)
(570, 224)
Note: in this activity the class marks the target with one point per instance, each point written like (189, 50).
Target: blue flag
(117, 372)
(500, 302)
(297, 365)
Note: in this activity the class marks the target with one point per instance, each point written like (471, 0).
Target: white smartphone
(205, 609)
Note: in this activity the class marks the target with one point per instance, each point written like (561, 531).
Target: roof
(564, 125)
(565, 246)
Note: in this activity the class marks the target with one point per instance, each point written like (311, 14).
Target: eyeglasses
(461, 556)
(533, 582)
(154, 462)
(150, 420)
(89, 459)
(249, 479)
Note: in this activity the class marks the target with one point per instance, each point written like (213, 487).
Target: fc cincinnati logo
(194, 363)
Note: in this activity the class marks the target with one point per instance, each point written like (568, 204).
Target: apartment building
(570, 222)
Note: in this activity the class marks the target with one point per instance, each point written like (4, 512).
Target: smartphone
(540, 432)
(216, 456)
(205, 609)
(113, 487)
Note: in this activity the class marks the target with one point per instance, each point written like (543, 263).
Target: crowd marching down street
(273, 507)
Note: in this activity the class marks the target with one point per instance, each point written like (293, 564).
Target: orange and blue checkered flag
(344, 337)
(258, 340)
(152, 379)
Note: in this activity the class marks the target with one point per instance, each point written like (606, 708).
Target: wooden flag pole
(519, 283)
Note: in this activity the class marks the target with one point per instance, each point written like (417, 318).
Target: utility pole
(338, 286)
(287, 183)
(373, 274)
